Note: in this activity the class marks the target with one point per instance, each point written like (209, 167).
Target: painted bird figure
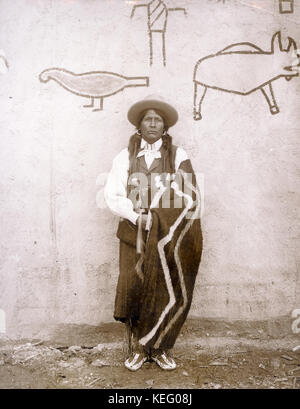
(94, 84)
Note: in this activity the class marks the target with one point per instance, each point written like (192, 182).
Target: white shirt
(115, 191)
(151, 151)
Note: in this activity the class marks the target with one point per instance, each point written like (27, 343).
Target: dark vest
(141, 182)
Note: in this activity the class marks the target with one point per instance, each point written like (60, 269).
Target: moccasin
(135, 361)
(163, 360)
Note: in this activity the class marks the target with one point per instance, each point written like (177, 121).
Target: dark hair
(133, 147)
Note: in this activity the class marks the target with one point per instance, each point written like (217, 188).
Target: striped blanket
(170, 265)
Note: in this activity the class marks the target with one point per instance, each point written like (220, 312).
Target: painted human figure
(157, 17)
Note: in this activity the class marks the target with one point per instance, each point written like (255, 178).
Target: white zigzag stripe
(161, 244)
(179, 268)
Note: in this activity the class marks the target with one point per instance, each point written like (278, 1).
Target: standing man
(152, 188)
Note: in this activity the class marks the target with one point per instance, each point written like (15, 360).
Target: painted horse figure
(243, 68)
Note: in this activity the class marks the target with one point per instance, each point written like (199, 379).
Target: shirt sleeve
(180, 157)
(115, 191)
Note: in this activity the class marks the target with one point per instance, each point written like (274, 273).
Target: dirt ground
(82, 357)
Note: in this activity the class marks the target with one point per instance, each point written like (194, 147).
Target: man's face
(152, 126)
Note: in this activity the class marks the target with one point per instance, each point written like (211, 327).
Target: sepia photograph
(150, 197)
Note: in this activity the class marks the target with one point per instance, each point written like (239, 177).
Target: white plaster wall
(59, 253)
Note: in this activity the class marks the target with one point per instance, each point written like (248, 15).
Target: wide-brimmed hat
(168, 112)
